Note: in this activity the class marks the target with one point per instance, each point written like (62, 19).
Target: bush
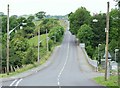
(30, 56)
(50, 43)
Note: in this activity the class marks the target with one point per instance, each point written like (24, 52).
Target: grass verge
(112, 82)
(25, 68)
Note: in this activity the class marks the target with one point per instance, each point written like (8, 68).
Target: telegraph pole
(8, 40)
(47, 39)
(107, 39)
(38, 45)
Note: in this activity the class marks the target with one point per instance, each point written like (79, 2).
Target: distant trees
(30, 18)
(40, 14)
(47, 24)
(80, 17)
(93, 33)
(56, 33)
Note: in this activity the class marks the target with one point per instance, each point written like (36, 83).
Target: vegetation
(111, 83)
(40, 14)
(93, 33)
(24, 42)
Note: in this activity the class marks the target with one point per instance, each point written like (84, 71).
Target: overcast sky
(53, 7)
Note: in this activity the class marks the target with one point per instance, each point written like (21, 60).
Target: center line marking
(63, 65)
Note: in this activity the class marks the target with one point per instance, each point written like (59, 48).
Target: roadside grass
(25, 68)
(112, 82)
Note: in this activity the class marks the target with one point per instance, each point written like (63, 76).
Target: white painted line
(0, 83)
(18, 82)
(58, 83)
(13, 82)
(63, 65)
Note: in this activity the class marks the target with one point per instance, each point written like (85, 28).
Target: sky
(53, 7)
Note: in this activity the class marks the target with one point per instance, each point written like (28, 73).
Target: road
(69, 68)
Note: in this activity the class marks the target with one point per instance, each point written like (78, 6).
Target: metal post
(8, 40)
(98, 51)
(115, 55)
(55, 37)
(116, 50)
(38, 45)
(47, 39)
(107, 36)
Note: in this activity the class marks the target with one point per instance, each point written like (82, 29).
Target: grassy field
(112, 82)
(34, 40)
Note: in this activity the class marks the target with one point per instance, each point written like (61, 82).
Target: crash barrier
(93, 63)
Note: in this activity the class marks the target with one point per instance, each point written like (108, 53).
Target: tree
(18, 49)
(47, 24)
(56, 32)
(30, 18)
(4, 24)
(30, 56)
(13, 22)
(80, 17)
(98, 28)
(21, 19)
(114, 24)
(118, 3)
(114, 30)
(85, 35)
(40, 14)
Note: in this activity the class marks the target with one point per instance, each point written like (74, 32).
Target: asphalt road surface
(69, 68)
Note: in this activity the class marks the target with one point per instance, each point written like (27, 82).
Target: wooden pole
(8, 40)
(107, 39)
(38, 45)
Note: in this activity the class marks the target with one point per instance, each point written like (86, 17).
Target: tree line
(90, 29)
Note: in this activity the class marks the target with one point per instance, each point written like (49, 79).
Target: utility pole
(38, 44)
(8, 40)
(1, 42)
(107, 39)
(47, 39)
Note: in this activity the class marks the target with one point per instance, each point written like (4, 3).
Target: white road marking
(58, 83)
(0, 83)
(18, 82)
(63, 65)
(13, 82)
